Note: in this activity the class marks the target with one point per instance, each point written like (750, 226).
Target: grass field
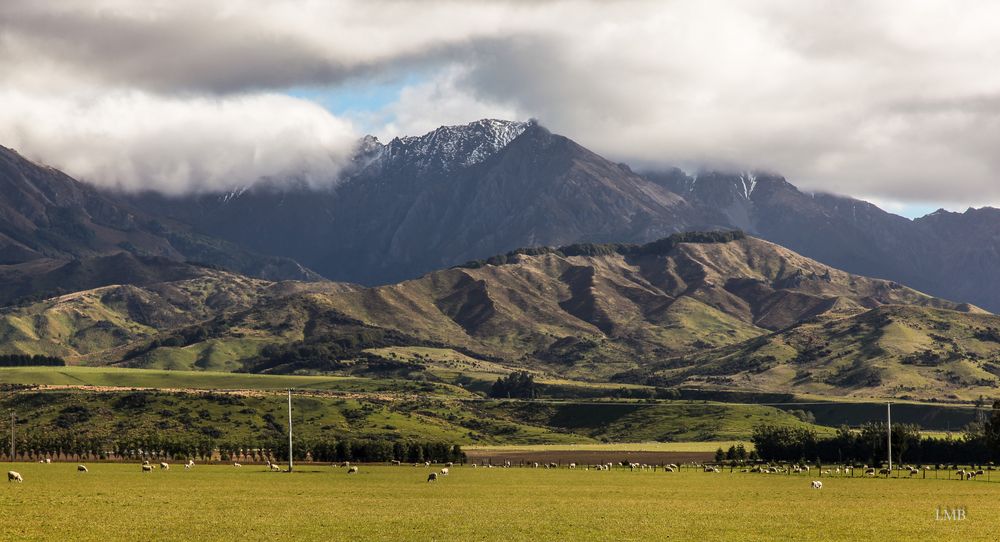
(114, 502)
(619, 447)
(206, 380)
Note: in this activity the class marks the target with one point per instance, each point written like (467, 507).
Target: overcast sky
(898, 102)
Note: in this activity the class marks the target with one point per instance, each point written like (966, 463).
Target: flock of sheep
(847, 470)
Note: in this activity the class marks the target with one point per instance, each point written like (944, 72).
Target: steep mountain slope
(584, 311)
(951, 255)
(463, 192)
(421, 203)
(49, 221)
(896, 351)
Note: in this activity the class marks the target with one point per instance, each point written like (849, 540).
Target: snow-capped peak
(446, 148)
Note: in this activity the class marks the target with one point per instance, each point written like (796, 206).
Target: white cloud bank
(898, 101)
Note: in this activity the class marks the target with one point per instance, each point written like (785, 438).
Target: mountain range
(708, 309)
(499, 246)
(417, 204)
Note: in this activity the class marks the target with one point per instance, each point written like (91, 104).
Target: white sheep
(572, 465)
(817, 484)
(444, 471)
(13, 476)
(147, 468)
(352, 470)
(164, 466)
(432, 477)
(237, 465)
(81, 468)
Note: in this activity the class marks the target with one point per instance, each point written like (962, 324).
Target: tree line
(25, 360)
(978, 445)
(33, 446)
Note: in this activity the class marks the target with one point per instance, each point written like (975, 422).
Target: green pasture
(118, 502)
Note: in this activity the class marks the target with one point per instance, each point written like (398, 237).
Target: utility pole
(888, 417)
(13, 423)
(289, 430)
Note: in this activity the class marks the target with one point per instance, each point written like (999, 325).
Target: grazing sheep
(237, 465)
(450, 464)
(432, 477)
(444, 471)
(817, 484)
(189, 464)
(146, 462)
(668, 468)
(147, 468)
(474, 465)
(426, 463)
(395, 463)
(869, 472)
(572, 465)
(275, 468)
(345, 464)
(885, 472)
(164, 466)
(553, 465)
(13, 476)
(81, 468)
(352, 470)
(47, 460)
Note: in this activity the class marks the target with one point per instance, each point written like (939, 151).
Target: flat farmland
(220, 502)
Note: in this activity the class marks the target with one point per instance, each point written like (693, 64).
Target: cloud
(133, 140)
(900, 103)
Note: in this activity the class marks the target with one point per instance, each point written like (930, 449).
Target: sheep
(164, 466)
(450, 464)
(345, 464)
(817, 484)
(869, 472)
(13, 476)
(146, 462)
(352, 470)
(189, 464)
(147, 468)
(553, 465)
(237, 465)
(572, 465)
(444, 471)
(885, 472)
(395, 463)
(668, 468)
(81, 468)
(432, 477)
(275, 468)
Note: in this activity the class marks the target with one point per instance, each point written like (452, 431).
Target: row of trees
(980, 444)
(68, 446)
(25, 360)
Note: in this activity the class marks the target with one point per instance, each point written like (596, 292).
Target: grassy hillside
(717, 311)
(895, 351)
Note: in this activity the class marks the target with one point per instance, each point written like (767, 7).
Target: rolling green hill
(895, 351)
(716, 310)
